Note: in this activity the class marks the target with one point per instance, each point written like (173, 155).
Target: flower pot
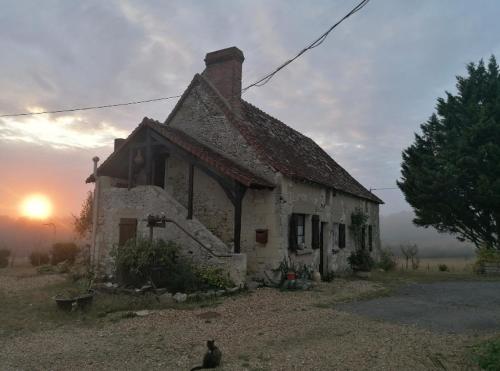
(65, 304)
(291, 276)
(85, 301)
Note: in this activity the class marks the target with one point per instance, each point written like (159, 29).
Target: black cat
(212, 357)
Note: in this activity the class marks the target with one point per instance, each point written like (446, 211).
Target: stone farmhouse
(239, 188)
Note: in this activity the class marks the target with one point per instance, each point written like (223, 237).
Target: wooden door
(128, 230)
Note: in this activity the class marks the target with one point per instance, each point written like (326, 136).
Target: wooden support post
(149, 161)
(130, 167)
(239, 192)
(190, 191)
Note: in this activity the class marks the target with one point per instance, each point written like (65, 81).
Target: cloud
(59, 132)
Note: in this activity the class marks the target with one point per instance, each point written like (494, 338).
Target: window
(341, 236)
(363, 237)
(297, 237)
(370, 238)
(315, 242)
(128, 230)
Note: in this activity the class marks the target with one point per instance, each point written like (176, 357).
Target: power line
(264, 80)
(261, 82)
(90, 108)
(379, 189)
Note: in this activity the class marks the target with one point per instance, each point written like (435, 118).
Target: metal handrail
(163, 219)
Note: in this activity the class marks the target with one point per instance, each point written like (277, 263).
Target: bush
(63, 251)
(361, 260)
(443, 268)
(38, 258)
(485, 255)
(487, 355)
(387, 261)
(4, 258)
(214, 277)
(140, 261)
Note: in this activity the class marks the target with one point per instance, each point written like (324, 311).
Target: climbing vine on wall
(358, 222)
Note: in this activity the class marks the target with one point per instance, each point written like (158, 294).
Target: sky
(361, 95)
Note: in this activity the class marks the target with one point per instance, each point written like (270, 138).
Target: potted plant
(361, 263)
(80, 297)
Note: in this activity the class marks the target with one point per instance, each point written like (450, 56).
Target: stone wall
(203, 120)
(117, 203)
(332, 209)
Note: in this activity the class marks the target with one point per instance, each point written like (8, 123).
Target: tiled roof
(295, 155)
(216, 161)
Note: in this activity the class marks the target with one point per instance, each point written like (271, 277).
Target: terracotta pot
(291, 276)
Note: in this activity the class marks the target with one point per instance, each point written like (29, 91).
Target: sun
(36, 206)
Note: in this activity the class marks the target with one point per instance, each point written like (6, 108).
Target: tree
(83, 223)
(451, 173)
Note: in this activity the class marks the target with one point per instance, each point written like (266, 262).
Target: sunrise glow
(36, 207)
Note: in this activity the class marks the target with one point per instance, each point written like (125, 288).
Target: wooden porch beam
(190, 191)
(239, 192)
(130, 167)
(149, 155)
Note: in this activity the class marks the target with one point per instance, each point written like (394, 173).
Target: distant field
(432, 264)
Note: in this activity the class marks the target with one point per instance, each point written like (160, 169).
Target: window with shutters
(128, 230)
(370, 237)
(341, 236)
(297, 234)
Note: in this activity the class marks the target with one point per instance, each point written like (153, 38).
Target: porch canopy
(157, 141)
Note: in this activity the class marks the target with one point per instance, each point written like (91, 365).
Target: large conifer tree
(451, 173)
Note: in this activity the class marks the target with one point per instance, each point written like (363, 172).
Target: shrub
(214, 277)
(387, 261)
(140, 261)
(361, 260)
(38, 258)
(4, 258)
(487, 355)
(443, 268)
(485, 255)
(63, 251)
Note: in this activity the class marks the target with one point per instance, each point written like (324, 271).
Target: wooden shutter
(128, 230)
(292, 233)
(363, 237)
(370, 237)
(315, 232)
(341, 236)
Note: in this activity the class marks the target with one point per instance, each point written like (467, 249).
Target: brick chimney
(223, 69)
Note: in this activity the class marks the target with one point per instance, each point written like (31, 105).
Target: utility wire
(264, 80)
(261, 82)
(378, 189)
(91, 107)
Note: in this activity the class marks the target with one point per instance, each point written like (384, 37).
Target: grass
(487, 355)
(34, 310)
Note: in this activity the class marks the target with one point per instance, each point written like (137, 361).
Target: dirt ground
(263, 330)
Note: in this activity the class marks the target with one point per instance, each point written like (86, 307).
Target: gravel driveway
(454, 307)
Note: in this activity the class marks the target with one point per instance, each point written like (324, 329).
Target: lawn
(264, 330)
